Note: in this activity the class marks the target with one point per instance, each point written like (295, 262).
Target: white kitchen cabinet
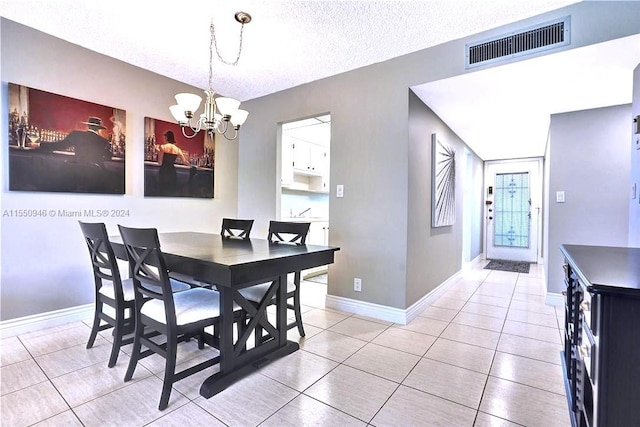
(287, 162)
(305, 166)
(318, 235)
(308, 158)
(323, 166)
(301, 157)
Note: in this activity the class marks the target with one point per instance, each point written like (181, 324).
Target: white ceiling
(504, 112)
(292, 42)
(316, 130)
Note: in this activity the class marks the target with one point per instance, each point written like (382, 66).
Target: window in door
(512, 210)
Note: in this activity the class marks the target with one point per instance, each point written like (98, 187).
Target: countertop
(606, 269)
(303, 219)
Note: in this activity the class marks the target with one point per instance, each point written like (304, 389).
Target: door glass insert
(512, 210)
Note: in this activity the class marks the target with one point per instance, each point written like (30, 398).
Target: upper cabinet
(305, 158)
(308, 158)
(287, 162)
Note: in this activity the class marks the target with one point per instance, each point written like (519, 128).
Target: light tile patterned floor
(485, 353)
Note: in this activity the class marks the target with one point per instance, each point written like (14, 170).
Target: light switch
(340, 190)
(559, 196)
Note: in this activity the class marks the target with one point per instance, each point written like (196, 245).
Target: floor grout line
(384, 328)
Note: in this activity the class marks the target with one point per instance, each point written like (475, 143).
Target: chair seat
(127, 288)
(177, 286)
(191, 306)
(255, 293)
(185, 278)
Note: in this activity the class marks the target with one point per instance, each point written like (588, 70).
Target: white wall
(589, 161)
(45, 263)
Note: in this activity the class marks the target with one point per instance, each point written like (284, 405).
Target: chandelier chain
(214, 43)
(221, 114)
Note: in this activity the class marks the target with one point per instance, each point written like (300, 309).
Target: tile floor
(485, 353)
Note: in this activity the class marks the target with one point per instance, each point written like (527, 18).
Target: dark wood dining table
(233, 264)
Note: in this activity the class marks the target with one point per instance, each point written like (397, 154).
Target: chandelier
(221, 114)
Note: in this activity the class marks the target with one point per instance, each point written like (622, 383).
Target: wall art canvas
(443, 181)
(62, 144)
(174, 165)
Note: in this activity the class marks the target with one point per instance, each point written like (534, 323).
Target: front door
(512, 209)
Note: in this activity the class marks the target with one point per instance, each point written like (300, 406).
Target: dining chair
(111, 290)
(231, 228)
(178, 316)
(281, 232)
(236, 228)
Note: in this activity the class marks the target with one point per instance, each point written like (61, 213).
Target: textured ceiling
(289, 43)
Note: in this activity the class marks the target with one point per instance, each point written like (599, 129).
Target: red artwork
(62, 144)
(174, 165)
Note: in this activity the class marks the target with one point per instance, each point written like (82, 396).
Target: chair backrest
(238, 228)
(148, 268)
(289, 232)
(103, 259)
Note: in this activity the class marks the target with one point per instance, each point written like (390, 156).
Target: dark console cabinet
(601, 353)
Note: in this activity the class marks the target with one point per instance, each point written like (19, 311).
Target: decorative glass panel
(512, 210)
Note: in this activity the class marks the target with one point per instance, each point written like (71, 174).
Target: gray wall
(589, 161)
(435, 254)
(45, 263)
(634, 204)
(368, 157)
(370, 152)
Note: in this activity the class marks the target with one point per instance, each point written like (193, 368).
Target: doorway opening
(513, 200)
(304, 183)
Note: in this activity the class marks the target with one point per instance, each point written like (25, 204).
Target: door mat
(504, 265)
(321, 278)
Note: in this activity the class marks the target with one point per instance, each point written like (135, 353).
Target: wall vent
(549, 35)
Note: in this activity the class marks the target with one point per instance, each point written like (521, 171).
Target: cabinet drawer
(586, 351)
(587, 308)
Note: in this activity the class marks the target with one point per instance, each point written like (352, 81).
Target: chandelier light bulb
(238, 118)
(189, 102)
(178, 114)
(227, 106)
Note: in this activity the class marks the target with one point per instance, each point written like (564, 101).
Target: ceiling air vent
(549, 35)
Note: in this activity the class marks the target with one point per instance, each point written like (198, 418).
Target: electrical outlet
(357, 284)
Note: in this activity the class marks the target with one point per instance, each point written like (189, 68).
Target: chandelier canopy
(221, 115)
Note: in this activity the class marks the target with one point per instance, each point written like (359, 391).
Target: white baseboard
(469, 265)
(554, 299)
(363, 308)
(383, 312)
(22, 325)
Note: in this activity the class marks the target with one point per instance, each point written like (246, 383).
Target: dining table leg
(227, 361)
(281, 311)
(230, 369)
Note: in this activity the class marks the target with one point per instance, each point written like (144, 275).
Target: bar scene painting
(62, 144)
(174, 165)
